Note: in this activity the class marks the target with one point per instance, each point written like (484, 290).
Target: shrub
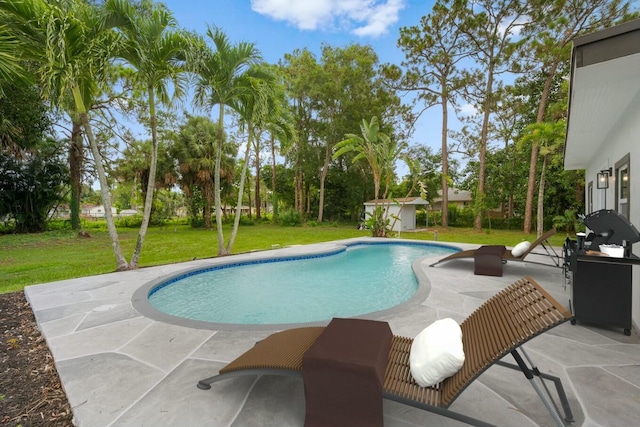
(245, 220)
(133, 221)
(58, 224)
(290, 218)
(196, 222)
(377, 223)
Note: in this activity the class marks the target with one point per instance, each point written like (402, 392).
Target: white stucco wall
(406, 215)
(623, 139)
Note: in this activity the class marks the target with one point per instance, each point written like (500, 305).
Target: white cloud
(468, 110)
(361, 17)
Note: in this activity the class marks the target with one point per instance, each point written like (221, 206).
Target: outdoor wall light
(603, 178)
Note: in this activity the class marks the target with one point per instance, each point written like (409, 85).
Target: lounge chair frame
(543, 241)
(498, 327)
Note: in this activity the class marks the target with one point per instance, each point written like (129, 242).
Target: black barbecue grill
(601, 285)
(610, 227)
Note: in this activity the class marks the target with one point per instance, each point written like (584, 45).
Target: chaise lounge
(489, 259)
(500, 326)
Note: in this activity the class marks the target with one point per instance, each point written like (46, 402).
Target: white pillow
(436, 352)
(520, 248)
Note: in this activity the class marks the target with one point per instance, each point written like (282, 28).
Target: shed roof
(403, 200)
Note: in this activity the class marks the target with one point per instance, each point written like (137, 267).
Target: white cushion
(520, 248)
(436, 352)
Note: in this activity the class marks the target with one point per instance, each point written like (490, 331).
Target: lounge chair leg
(545, 397)
(203, 386)
(554, 256)
(559, 388)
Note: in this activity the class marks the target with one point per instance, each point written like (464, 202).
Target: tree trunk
(76, 158)
(480, 197)
(307, 192)
(243, 175)
(257, 178)
(531, 183)
(323, 177)
(249, 201)
(208, 202)
(541, 198)
(274, 193)
(216, 182)
(106, 196)
(299, 194)
(445, 160)
(151, 182)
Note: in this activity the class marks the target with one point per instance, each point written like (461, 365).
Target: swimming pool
(351, 280)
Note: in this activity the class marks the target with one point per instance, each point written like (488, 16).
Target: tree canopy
(497, 66)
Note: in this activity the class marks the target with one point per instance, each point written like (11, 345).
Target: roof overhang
(605, 80)
(407, 201)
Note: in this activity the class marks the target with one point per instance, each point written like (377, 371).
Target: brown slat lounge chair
(500, 326)
(507, 255)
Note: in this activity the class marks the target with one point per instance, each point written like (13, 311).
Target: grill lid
(610, 227)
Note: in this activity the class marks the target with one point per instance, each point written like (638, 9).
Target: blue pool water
(362, 279)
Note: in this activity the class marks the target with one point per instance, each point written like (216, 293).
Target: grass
(30, 259)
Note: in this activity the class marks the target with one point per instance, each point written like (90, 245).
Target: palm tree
(10, 66)
(222, 79)
(71, 44)
(279, 125)
(367, 147)
(548, 137)
(259, 109)
(157, 52)
(194, 147)
(380, 152)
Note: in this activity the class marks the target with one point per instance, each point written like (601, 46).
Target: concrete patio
(120, 368)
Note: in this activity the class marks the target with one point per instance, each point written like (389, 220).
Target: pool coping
(140, 297)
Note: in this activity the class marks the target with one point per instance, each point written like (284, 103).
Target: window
(590, 197)
(622, 180)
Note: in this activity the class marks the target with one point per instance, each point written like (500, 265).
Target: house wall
(624, 139)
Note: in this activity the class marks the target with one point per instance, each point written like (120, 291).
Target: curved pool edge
(140, 297)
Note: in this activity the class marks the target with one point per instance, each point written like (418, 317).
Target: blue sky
(278, 27)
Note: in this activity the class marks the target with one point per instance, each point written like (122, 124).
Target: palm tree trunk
(243, 174)
(257, 177)
(75, 172)
(216, 182)
(274, 193)
(151, 182)
(104, 190)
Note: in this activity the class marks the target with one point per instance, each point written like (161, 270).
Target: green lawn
(58, 255)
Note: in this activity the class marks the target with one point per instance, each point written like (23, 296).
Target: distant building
(61, 211)
(98, 211)
(128, 212)
(460, 198)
